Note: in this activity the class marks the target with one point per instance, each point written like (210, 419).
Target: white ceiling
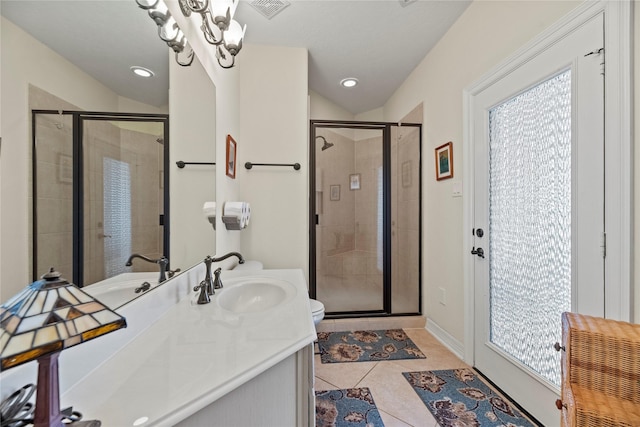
(377, 41)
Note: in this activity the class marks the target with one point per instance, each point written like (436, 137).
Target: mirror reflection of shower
(326, 144)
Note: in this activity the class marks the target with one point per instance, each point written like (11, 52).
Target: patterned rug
(353, 407)
(367, 346)
(459, 398)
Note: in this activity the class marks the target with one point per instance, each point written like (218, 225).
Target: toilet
(317, 308)
(317, 311)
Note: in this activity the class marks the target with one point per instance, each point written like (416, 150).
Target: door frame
(618, 20)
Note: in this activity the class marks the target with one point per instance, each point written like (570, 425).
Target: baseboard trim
(445, 338)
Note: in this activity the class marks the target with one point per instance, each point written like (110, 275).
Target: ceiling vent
(270, 8)
(404, 3)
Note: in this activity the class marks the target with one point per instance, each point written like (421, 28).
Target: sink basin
(253, 295)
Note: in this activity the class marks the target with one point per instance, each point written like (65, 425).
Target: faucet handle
(217, 282)
(163, 262)
(203, 298)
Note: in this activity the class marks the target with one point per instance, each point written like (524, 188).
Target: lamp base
(47, 411)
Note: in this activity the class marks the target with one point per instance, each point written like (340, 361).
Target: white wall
(26, 61)
(320, 108)
(274, 129)
(485, 34)
(227, 117)
(192, 108)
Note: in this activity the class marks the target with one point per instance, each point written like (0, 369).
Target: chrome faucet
(162, 262)
(207, 277)
(230, 254)
(209, 284)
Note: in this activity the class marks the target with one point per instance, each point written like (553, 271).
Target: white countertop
(193, 355)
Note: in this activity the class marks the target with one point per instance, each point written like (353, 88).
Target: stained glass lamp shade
(47, 317)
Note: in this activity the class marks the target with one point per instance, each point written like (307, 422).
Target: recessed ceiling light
(142, 72)
(349, 82)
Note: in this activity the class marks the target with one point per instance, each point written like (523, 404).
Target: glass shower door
(366, 218)
(405, 219)
(349, 208)
(123, 196)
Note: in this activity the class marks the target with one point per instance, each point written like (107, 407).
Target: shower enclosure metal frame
(385, 127)
(78, 118)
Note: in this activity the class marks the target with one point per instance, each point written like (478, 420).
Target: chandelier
(168, 30)
(218, 26)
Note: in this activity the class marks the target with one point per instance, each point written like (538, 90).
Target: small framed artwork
(232, 147)
(65, 168)
(406, 174)
(444, 161)
(354, 181)
(334, 193)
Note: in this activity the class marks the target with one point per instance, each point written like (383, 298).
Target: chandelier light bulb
(159, 7)
(222, 7)
(147, 4)
(169, 31)
(234, 35)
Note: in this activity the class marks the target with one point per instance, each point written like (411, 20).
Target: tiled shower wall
(55, 201)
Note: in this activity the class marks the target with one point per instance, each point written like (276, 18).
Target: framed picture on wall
(444, 161)
(354, 181)
(334, 193)
(232, 147)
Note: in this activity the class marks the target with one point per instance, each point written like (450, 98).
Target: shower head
(160, 140)
(326, 144)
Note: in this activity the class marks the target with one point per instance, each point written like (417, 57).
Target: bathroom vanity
(244, 359)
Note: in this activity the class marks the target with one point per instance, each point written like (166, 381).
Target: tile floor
(398, 404)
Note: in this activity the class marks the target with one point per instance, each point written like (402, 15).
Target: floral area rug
(459, 398)
(353, 407)
(367, 346)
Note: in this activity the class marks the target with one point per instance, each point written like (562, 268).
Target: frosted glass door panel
(530, 223)
(117, 215)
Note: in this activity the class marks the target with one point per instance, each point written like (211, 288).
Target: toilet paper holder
(235, 215)
(231, 222)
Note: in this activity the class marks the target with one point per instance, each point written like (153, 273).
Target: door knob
(479, 252)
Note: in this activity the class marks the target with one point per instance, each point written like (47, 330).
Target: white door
(539, 201)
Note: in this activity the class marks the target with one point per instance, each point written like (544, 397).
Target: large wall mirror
(99, 192)
(123, 152)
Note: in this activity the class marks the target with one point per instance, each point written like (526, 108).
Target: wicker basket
(600, 372)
